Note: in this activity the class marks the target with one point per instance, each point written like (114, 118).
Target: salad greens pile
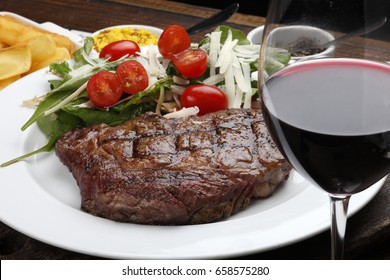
(232, 60)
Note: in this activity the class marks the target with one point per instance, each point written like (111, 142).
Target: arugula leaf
(46, 148)
(60, 68)
(86, 49)
(133, 111)
(56, 124)
(155, 89)
(91, 116)
(236, 34)
(48, 102)
(55, 83)
(276, 59)
(113, 116)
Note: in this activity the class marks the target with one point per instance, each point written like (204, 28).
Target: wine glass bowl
(329, 112)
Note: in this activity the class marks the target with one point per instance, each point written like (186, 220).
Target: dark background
(252, 7)
(340, 9)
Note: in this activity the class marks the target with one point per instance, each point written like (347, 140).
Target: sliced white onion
(177, 89)
(238, 98)
(155, 66)
(183, 113)
(238, 75)
(230, 88)
(160, 100)
(213, 80)
(215, 45)
(180, 80)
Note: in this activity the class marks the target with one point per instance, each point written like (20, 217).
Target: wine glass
(327, 106)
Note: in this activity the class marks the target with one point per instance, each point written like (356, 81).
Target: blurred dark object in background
(252, 7)
(260, 8)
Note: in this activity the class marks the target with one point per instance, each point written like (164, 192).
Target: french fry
(25, 49)
(41, 47)
(59, 55)
(14, 32)
(8, 81)
(14, 61)
(3, 45)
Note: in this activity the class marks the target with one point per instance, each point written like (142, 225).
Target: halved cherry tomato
(132, 76)
(118, 49)
(174, 39)
(104, 89)
(206, 98)
(191, 63)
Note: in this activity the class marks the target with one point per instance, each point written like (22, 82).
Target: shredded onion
(183, 113)
(180, 80)
(160, 100)
(215, 45)
(230, 70)
(213, 80)
(177, 89)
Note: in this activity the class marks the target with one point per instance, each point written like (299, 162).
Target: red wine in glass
(331, 119)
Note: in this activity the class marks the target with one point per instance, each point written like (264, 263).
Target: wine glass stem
(339, 209)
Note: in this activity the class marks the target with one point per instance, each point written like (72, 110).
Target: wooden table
(368, 231)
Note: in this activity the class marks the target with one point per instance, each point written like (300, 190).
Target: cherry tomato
(174, 39)
(191, 63)
(206, 98)
(118, 49)
(104, 89)
(132, 76)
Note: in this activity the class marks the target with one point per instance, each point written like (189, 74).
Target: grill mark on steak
(153, 170)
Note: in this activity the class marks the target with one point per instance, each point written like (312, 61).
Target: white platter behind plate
(39, 198)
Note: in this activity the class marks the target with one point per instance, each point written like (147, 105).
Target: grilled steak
(153, 170)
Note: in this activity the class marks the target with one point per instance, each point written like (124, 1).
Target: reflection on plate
(40, 198)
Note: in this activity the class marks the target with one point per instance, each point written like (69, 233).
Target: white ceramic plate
(286, 36)
(40, 198)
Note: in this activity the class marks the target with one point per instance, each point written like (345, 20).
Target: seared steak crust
(153, 170)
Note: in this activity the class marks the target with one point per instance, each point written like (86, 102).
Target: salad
(177, 78)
